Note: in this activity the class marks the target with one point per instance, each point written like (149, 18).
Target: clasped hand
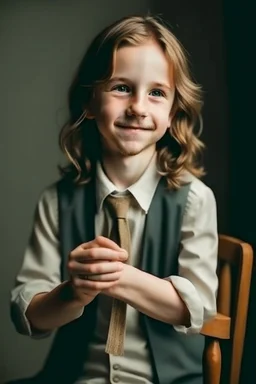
(95, 266)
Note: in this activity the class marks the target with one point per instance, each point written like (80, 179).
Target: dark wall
(239, 16)
(240, 40)
(220, 40)
(199, 26)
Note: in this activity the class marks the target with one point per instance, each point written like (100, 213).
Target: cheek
(163, 117)
(107, 110)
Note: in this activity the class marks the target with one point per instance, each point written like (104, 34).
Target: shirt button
(116, 366)
(116, 379)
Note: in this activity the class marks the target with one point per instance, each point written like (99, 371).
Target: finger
(98, 254)
(89, 286)
(76, 268)
(102, 242)
(101, 277)
(90, 244)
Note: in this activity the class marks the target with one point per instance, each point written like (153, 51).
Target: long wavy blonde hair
(178, 149)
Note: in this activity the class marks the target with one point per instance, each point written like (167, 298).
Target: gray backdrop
(41, 43)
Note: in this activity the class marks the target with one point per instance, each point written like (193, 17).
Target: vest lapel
(77, 209)
(162, 230)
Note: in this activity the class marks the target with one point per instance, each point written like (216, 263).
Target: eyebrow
(155, 84)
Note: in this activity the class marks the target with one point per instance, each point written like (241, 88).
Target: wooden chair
(234, 272)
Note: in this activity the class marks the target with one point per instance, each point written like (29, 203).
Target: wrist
(118, 290)
(69, 295)
(78, 297)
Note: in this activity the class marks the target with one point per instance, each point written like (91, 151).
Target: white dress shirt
(196, 282)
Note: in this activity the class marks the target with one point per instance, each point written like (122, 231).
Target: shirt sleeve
(40, 270)
(197, 281)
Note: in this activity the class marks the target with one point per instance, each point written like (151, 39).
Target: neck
(125, 171)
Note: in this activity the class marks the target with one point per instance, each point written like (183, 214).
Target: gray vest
(176, 358)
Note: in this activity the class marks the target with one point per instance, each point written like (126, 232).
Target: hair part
(179, 149)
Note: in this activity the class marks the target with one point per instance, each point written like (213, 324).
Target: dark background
(41, 43)
(220, 38)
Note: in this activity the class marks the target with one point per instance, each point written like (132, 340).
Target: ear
(90, 108)
(88, 114)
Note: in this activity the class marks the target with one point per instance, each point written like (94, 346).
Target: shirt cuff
(19, 306)
(189, 295)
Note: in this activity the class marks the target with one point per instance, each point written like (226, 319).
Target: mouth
(133, 127)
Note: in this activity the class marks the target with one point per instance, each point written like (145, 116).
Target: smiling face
(132, 109)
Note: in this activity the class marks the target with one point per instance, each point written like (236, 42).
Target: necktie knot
(119, 205)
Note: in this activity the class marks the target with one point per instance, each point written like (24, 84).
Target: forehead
(143, 62)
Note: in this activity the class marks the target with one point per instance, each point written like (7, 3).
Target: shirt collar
(143, 190)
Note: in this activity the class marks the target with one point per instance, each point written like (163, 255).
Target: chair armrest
(218, 327)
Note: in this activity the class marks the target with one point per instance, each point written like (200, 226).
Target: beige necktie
(120, 233)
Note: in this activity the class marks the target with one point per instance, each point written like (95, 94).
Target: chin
(131, 151)
(126, 149)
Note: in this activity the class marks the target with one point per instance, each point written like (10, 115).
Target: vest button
(116, 367)
(116, 379)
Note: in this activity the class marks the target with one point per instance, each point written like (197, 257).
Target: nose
(137, 106)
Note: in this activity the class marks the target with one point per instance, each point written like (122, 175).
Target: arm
(40, 302)
(38, 292)
(101, 260)
(50, 310)
(152, 296)
(190, 298)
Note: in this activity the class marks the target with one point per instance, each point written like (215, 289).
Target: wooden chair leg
(212, 362)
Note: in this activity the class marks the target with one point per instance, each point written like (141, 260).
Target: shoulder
(200, 197)
(47, 204)
(48, 195)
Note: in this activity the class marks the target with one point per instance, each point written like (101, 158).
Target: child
(133, 107)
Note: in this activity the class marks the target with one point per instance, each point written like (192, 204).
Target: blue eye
(121, 88)
(157, 93)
